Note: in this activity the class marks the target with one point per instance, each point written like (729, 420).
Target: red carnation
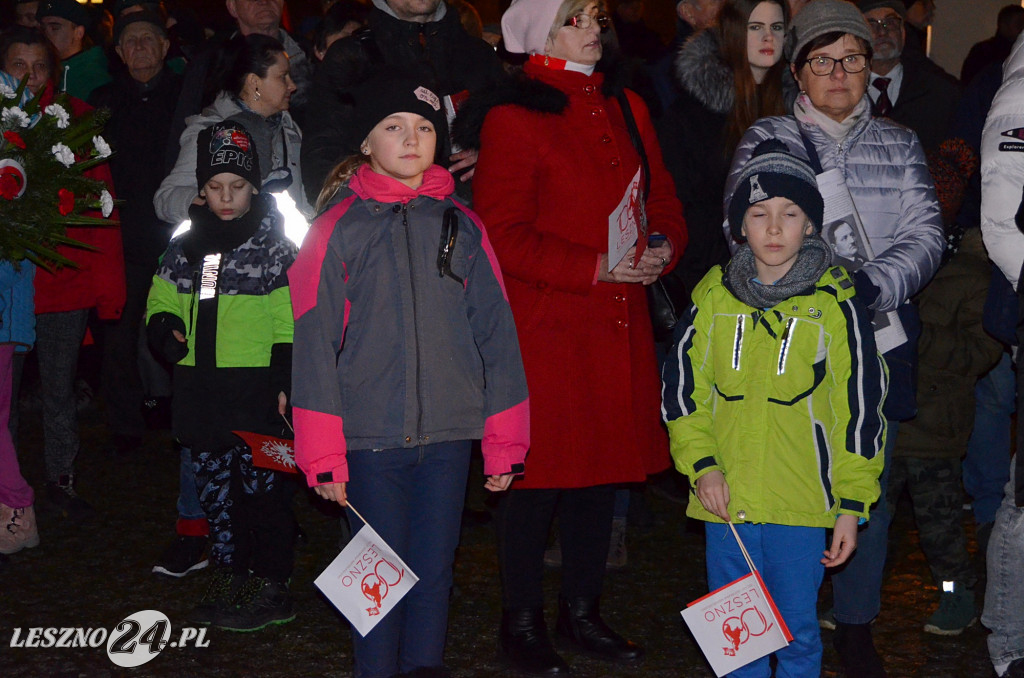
(8, 187)
(15, 139)
(66, 204)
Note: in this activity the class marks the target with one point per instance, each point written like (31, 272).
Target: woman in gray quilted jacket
(884, 167)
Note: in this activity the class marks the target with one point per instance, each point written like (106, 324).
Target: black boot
(525, 643)
(857, 652)
(580, 623)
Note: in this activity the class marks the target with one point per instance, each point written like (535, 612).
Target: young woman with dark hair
(731, 75)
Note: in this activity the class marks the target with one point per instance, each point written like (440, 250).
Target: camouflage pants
(937, 494)
(251, 523)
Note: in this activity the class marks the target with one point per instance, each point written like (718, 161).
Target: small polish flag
(270, 452)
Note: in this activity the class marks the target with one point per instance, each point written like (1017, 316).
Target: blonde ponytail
(341, 173)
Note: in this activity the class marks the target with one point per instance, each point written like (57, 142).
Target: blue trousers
(789, 560)
(989, 447)
(857, 585)
(413, 498)
(189, 507)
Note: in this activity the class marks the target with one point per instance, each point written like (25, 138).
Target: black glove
(160, 334)
(867, 291)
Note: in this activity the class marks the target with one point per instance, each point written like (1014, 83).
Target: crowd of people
(833, 224)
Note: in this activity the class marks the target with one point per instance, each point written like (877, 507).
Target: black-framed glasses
(889, 23)
(852, 63)
(449, 234)
(585, 21)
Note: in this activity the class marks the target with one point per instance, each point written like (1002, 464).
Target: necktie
(883, 105)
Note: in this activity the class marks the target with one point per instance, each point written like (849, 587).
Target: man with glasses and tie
(909, 91)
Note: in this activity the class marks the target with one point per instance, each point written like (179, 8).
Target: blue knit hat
(774, 172)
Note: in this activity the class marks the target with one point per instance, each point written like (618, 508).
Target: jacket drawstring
(192, 302)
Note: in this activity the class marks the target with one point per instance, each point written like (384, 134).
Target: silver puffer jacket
(885, 169)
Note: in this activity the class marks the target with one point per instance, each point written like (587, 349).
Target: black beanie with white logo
(227, 147)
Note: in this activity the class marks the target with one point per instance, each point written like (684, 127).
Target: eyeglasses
(852, 63)
(585, 21)
(889, 23)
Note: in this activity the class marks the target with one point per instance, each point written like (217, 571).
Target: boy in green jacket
(773, 399)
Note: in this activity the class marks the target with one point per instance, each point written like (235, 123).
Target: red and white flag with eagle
(270, 452)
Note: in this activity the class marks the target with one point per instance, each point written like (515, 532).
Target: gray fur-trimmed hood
(703, 74)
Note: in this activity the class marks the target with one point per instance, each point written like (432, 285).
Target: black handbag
(661, 294)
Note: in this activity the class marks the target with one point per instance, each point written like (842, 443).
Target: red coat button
(622, 323)
(589, 89)
(596, 112)
(620, 298)
(615, 162)
(606, 139)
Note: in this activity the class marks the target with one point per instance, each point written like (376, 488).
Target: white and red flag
(366, 580)
(738, 623)
(270, 452)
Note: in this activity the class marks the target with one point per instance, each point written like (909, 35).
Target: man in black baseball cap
(84, 66)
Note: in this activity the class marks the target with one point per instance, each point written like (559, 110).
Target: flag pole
(358, 515)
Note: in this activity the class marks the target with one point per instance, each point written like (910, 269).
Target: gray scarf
(812, 261)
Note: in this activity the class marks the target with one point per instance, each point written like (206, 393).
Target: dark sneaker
(63, 497)
(260, 603)
(183, 555)
(956, 611)
(225, 585)
(856, 650)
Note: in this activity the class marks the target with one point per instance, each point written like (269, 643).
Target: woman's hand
(650, 267)
(844, 541)
(623, 271)
(655, 259)
(333, 492)
(713, 493)
(464, 160)
(499, 483)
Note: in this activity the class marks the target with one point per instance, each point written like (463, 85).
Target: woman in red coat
(556, 162)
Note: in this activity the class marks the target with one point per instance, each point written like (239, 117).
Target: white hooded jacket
(1002, 169)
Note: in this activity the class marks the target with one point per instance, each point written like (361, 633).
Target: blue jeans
(789, 560)
(413, 498)
(857, 586)
(1004, 593)
(989, 447)
(189, 507)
